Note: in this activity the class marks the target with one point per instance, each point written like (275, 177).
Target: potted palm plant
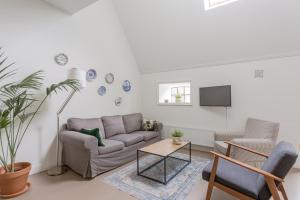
(19, 106)
(177, 137)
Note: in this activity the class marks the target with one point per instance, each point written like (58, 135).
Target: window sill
(174, 104)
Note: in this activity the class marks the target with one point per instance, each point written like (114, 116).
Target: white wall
(32, 32)
(276, 97)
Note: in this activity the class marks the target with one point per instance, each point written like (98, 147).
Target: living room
(124, 54)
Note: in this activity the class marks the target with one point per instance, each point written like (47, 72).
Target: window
(209, 4)
(174, 93)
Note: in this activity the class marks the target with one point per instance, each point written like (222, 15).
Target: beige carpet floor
(71, 186)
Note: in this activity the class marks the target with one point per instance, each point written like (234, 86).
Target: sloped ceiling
(178, 34)
(70, 6)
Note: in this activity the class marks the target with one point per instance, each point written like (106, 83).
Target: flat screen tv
(216, 96)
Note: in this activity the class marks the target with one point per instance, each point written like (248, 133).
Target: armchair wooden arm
(244, 148)
(254, 169)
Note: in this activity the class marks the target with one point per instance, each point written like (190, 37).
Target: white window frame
(207, 5)
(174, 104)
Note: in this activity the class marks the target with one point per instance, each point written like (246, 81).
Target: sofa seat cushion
(234, 177)
(110, 146)
(128, 139)
(147, 135)
(221, 147)
(133, 122)
(113, 125)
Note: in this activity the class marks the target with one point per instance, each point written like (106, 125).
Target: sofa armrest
(158, 127)
(79, 140)
(264, 146)
(227, 136)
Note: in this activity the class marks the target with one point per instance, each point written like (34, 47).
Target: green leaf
(25, 116)
(63, 86)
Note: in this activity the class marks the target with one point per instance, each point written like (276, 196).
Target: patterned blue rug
(139, 187)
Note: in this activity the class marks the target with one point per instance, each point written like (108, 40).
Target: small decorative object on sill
(118, 101)
(166, 101)
(177, 137)
(91, 75)
(102, 90)
(61, 59)
(178, 98)
(109, 78)
(126, 86)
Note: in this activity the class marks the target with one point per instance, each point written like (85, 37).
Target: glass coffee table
(168, 165)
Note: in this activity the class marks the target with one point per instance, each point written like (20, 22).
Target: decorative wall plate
(102, 90)
(109, 78)
(61, 59)
(91, 74)
(118, 101)
(126, 86)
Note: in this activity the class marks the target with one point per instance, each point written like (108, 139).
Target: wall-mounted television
(215, 96)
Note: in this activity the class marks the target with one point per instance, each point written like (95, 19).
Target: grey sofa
(123, 135)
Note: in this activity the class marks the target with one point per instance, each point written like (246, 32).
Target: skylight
(210, 4)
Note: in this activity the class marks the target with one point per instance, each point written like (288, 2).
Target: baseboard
(37, 168)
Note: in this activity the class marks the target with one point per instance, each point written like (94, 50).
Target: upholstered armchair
(259, 135)
(246, 182)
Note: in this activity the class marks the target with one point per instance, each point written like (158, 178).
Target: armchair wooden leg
(212, 178)
(282, 190)
(272, 188)
(228, 150)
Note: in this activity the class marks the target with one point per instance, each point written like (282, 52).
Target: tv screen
(215, 96)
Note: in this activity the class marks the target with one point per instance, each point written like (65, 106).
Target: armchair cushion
(256, 128)
(113, 125)
(234, 177)
(279, 163)
(133, 122)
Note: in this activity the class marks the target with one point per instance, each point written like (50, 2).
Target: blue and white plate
(102, 90)
(91, 75)
(126, 86)
(109, 78)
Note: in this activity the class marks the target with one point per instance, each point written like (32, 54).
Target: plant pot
(14, 183)
(178, 100)
(177, 140)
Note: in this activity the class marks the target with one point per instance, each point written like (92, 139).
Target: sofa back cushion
(113, 125)
(76, 124)
(256, 128)
(133, 122)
